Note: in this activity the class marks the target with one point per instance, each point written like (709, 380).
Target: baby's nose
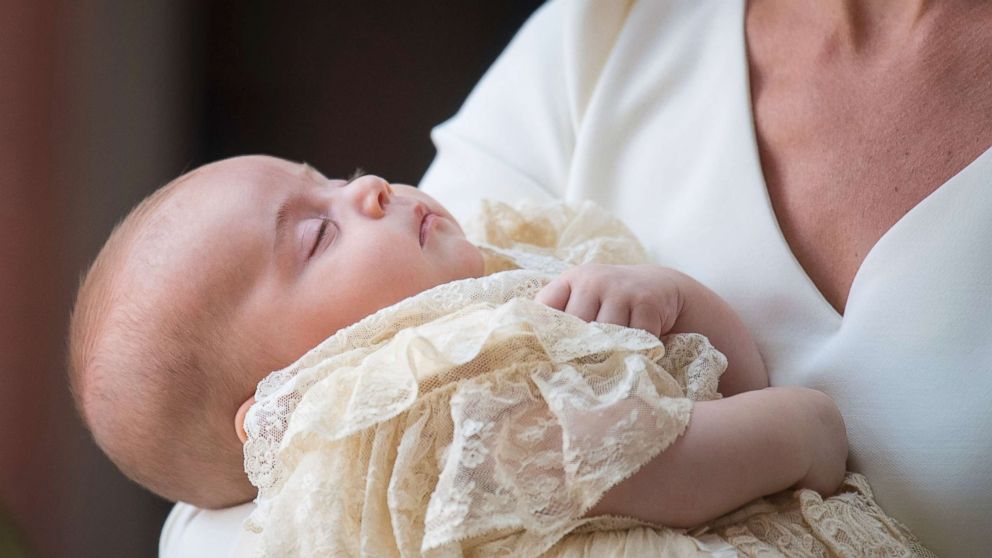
(373, 193)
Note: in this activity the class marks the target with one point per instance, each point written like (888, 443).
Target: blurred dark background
(103, 101)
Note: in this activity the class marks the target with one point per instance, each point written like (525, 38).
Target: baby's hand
(642, 296)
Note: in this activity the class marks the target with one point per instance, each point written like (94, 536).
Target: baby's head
(227, 273)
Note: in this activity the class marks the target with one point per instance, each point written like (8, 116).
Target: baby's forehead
(213, 230)
(234, 188)
(245, 171)
(254, 169)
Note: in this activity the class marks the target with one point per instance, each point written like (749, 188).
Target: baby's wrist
(692, 303)
(824, 442)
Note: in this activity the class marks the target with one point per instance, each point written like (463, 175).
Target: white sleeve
(191, 532)
(514, 137)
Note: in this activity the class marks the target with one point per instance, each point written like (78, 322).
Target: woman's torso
(667, 142)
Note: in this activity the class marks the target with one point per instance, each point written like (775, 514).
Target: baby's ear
(239, 419)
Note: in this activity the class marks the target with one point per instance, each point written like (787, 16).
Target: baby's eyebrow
(285, 211)
(311, 173)
(282, 218)
(283, 215)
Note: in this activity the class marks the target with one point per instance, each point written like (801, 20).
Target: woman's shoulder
(575, 67)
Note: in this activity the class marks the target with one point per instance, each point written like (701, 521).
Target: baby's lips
(425, 227)
(420, 213)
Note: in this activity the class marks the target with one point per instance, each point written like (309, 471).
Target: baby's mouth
(425, 225)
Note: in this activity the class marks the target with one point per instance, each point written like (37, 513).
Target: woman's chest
(844, 159)
(832, 210)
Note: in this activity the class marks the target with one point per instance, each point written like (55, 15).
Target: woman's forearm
(733, 451)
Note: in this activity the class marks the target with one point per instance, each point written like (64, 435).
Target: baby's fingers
(646, 317)
(584, 306)
(555, 294)
(614, 313)
(558, 295)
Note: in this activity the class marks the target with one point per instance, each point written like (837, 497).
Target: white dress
(644, 108)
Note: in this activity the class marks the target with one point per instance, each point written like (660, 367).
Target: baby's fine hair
(149, 377)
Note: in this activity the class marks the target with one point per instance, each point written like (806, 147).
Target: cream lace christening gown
(470, 420)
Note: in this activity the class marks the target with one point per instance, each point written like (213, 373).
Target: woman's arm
(191, 532)
(515, 135)
(510, 138)
(733, 451)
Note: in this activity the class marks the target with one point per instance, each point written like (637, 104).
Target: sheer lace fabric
(471, 421)
(794, 524)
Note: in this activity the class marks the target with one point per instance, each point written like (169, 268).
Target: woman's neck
(867, 24)
(862, 27)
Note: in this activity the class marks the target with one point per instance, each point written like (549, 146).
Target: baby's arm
(661, 301)
(733, 451)
(703, 311)
(747, 445)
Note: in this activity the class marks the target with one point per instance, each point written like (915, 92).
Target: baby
(240, 267)
(225, 274)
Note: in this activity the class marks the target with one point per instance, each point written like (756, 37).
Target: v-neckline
(751, 143)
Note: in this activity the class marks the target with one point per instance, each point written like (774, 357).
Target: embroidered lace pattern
(470, 420)
(804, 524)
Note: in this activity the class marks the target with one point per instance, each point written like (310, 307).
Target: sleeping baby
(527, 392)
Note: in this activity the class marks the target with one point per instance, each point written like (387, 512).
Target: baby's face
(310, 255)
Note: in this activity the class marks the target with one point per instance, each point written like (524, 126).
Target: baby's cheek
(307, 332)
(312, 324)
(462, 260)
(475, 264)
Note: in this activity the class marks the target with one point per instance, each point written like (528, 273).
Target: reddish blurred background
(101, 102)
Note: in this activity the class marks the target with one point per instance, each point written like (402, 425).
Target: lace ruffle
(470, 420)
(494, 417)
